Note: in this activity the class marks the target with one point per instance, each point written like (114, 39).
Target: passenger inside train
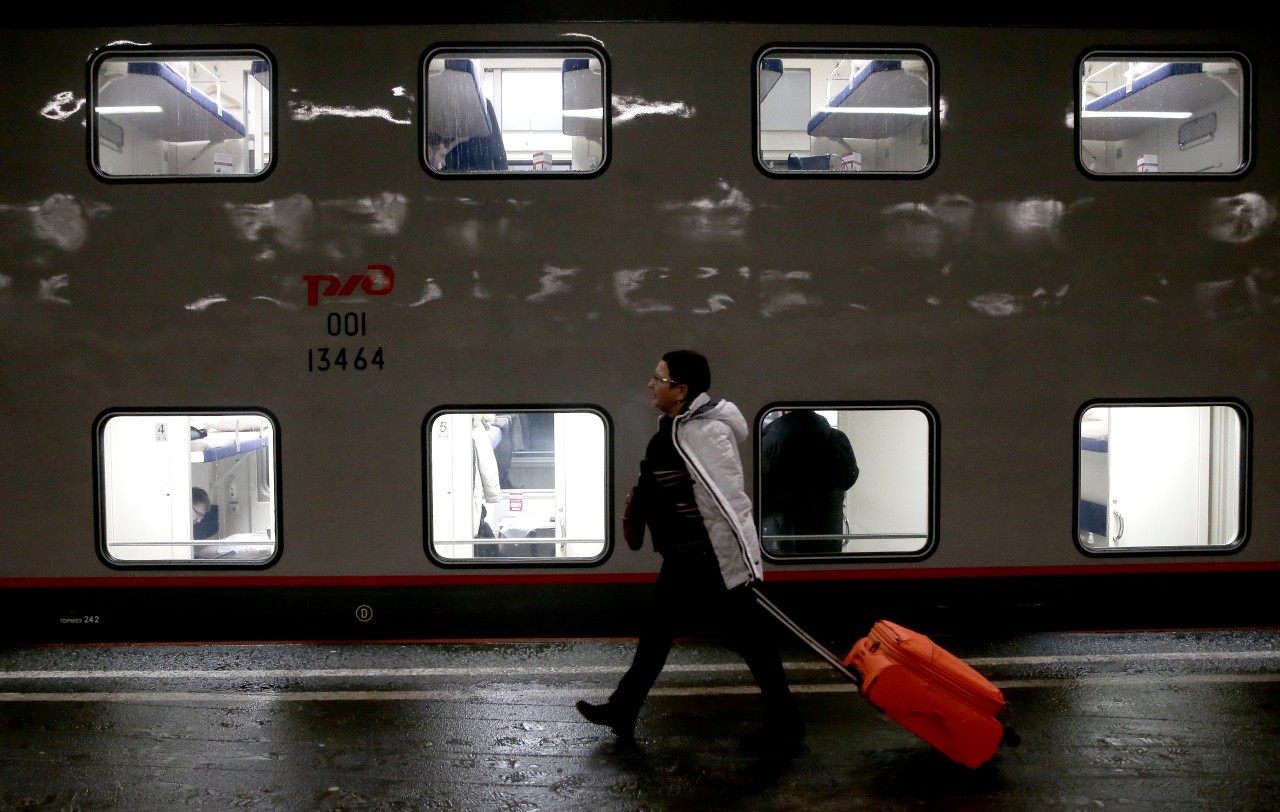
(808, 465)
(807, 468)
(493, 111)
(204, 516)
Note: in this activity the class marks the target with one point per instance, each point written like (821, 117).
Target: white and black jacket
(706, 436)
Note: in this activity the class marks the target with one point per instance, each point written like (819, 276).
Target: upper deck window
(1163, 114)
(846, 111)
(491, 111)
(180, 114)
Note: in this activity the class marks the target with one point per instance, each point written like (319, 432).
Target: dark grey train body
(998, 292)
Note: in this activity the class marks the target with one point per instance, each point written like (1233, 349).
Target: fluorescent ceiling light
(1133, 114)
(136, 108)
(906, 111)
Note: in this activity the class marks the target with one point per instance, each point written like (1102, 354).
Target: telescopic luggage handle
(821, 650)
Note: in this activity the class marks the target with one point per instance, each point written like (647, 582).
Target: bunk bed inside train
(582, 113)
(770, 75)
(219, 438)
(231, 459)
(882, 98)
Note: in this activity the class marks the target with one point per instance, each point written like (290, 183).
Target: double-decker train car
(343, 332)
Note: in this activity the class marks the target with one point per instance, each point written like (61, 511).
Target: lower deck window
(505, 486)
(193, 489)
(846, 481)
(1161, 476)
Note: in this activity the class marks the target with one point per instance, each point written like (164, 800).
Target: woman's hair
(689, 368)
(199, 496)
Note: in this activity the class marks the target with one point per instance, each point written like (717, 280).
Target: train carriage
(342, 331)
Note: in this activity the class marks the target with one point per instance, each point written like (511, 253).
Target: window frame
(1246, 124)
(532, 51)
(869, 52)
(931, 476)
(1242, 472)
(103, 499)
(140, 53)
(429, 542)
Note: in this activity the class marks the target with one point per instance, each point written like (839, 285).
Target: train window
(516, 485)
(181, 114)
(1161, 476)
(540, 111)
(188, 489)
(843, 111)
(1163, 113)
(846, 481)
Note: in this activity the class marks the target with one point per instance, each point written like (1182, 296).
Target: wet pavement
(1169, 721)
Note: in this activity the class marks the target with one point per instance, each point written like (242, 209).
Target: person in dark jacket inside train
(204, 515)
(806, 467)
(701, 522)
(481, 153)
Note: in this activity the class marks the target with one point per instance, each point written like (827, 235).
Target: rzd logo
(378, 282)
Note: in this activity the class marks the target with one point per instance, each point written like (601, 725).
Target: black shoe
(621, 722)
(775, 740)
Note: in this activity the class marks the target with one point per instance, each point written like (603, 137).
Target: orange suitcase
(921, 686)
(931, 692)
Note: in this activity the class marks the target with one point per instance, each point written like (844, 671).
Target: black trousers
(690, 598)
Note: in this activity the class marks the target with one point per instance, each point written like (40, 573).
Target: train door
(1157, 468)
(452, 460)
(146, 484)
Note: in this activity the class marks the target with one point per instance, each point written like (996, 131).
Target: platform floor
(1166, 721)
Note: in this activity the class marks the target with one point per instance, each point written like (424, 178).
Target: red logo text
(378, 282)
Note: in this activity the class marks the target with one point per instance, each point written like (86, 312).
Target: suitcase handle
(821, 650)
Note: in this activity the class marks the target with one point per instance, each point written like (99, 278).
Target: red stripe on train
(561, 578)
